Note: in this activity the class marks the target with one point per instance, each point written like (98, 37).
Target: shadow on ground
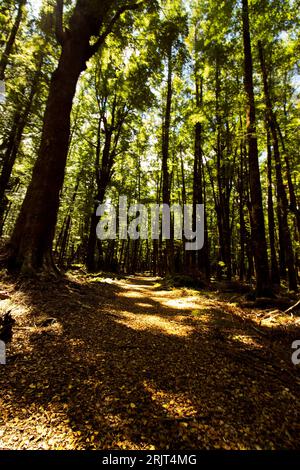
(124, 365)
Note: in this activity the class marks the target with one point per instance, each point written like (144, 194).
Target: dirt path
(126, 364)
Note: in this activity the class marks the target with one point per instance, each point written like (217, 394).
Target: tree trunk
(293, 200)
(199, 257)
(281, 193)
(222, 200)
(15, 138)
(63, 239)
(243, 234)
(103, 174)
(168, 258)
(31, 242)
(30, 247)
(11, 40)
(263, 285)
(274, 264)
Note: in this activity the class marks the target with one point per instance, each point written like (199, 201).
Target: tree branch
(59, 29)
(130, 6)
(293, 307)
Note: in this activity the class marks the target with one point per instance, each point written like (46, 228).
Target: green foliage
(203, 41)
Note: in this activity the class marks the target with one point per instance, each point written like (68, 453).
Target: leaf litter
(128, 364)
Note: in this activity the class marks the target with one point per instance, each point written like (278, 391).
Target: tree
(30, 247)
(281, 193)
(257, 216)
(14, 138)
(11, 38)
(171, 45)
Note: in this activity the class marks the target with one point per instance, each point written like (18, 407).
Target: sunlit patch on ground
(155, 323)
(187, 303)
(132, 295)
(144, 305)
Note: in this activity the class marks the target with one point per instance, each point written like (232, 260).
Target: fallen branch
(293, 307)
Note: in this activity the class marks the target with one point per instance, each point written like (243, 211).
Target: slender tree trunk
(92, 240)
(274, 264)
(103, 177)
(282, 257)
(249, 251)
(63, 239)
(293, 200)
(281, 193)
(11, 39)
(263, 285)
(206, 238)
(15, 138)
(155, 243)
(222, 200)
(166, 177)
(199, 257)
(11, 149)
(243, 233)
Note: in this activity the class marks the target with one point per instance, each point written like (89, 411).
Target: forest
(129, 341)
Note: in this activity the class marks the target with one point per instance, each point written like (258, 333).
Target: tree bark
(104, 171)
(63, 239)
(293, 206)
(222, 199)
(166, 177)
(200, 257)
(243, 233)
(274, 264)
(15, 138)
(281, 193)
(11, 39)
(31, 242)
(263, 285)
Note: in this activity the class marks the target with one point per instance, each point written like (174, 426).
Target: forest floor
(131, 364)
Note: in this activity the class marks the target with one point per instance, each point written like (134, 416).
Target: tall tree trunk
(92, 240)
(263, 285)
(293, 206)
(30, 247)
(222, 200)
(282, 251)
(103, 174)
(199, 258)
(15, 138)
(166, 177)
(11, 39)
(31, 242)
(243, 233)
(281, 193)
(274, 264)
(91, 264)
